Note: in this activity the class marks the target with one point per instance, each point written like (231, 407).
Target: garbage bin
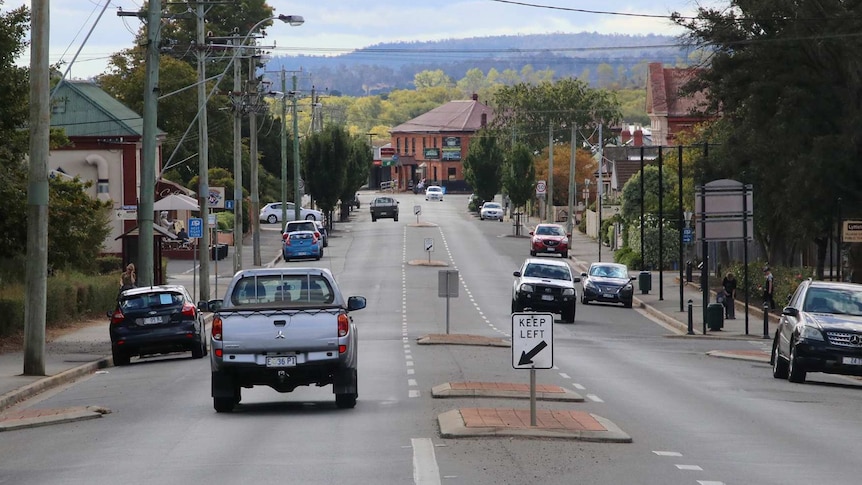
(218, 252)
(644, 282)
(688, 271)
(715, 316)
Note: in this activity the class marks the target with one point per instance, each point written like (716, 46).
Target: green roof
(82, 108)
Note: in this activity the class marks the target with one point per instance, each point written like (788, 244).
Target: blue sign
(196, 227)
(228, 204)
(687, 235)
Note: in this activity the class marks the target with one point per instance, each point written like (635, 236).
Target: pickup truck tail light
(188, 310)
(343, 325)
(117, 317)
(216, 328)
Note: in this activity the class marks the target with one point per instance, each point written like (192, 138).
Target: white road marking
(594, 398)
(564, 375)
(667, 453)
(412, 382)
(690, 467)
(707, 482)
(413, 393)
(410, 372)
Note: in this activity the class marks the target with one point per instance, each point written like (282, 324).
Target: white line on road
(564, 375)
(594, 398)
(412, 382)
(413, 393)
(707, 482)
(694, 468)
(667, 453)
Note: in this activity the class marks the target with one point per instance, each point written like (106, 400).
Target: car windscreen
(300, 226)
(833, 300)
(287, 289)
(150, 301)
(549, 271)
(492, 206)
(609, 272)
(549, 231)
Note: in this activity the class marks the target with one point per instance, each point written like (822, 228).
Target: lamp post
(297, 196)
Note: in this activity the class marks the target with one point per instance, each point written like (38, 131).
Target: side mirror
(632, 278)
(576, 279)
(583, 274)
(790, 311)
(516, 274)
(210, 306)
(109, 314)
(531, 233)
(355, 303)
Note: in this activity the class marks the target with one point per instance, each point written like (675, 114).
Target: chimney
(625, 135)
(639, 137)
(475, 97)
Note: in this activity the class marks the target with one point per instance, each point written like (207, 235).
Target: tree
(630, 209)
(483, 166)
(78, 225)
(358, 167)
(324, 159)
(519, 175)
(585, 167)
(431, 79)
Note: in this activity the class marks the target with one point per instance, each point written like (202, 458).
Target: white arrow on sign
(532, 340)
(429, 244)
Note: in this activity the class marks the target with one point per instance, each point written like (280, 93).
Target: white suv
(434, 192)
(271, 213)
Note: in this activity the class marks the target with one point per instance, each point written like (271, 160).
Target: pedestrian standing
(729, 285)
(768, 288)
(128, 278)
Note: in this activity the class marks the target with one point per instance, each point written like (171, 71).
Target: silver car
(271, 213)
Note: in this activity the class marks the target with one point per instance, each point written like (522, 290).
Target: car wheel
(795, 370)
(224, 404)
(272, 219)
(584, 300)
(310, 217)
(284, 257)
(396, 218)
(532, 253)
(120, 357)
(373, 219)
(779, 365)
(627, 304)
(345, 401)
(568, 315)
(516, 307)
(199, 350)
(565, 254)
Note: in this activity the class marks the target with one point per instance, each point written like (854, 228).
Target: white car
(271, 213)
(434, 192)
(491, 210)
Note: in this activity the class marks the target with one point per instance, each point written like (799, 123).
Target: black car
(545, 285)
(820, 330)
(156, 320)
(609, 283)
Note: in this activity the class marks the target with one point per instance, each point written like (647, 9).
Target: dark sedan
(608, 283)
(156, 320)
(820, 331)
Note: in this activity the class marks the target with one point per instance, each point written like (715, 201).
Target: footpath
(87, 350)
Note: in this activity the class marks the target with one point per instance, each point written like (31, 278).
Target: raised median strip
(749, 355)
(49, 382)
(462, 339)
(32, 418)
(544, 392)
(509, 422)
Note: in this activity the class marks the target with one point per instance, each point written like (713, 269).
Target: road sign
(196, 227)
(417, 209)
(541, 187)
(852, 232)
(532, 340)
(687, 235)
(447, 283)
(429, 244)
(228, 204)
(211, 221)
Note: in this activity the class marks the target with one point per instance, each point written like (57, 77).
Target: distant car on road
(549, 239)
(609, 283)
(492, 211)
(302, 244)
(820, 330)
(434, 192)
(382, 207)
(271, 213)
(545, 285)
(156, 320)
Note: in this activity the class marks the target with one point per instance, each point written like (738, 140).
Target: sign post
(429, 247)
(447, 286)
(417, 209)
(532, 348)
(196, 231)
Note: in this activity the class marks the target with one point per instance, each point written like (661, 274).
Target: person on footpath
(768, 288)
(729, 285)
(128, 278)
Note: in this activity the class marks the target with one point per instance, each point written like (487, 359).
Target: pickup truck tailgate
(285, 331)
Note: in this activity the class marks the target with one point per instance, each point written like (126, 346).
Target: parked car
(156, 320)
(324, 234)
(820, 330)
(302, 244)
(549, 238)
(382, 207)
(609, 283)
(491, 210)
(271, 213)
(545, 285)
(434, 192)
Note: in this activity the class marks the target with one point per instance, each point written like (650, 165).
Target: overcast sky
(337, 26)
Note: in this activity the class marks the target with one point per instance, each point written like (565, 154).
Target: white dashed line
(413, 393)
(667, 453)
(693, 468)
(564, 375)
(594, 398)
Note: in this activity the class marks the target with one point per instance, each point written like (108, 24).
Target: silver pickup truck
(283, 328)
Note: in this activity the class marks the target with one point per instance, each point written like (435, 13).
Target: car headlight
(810, 333)
(590, 285)
(569, 292)
(526, 288)
(564, 241)
(628, 287)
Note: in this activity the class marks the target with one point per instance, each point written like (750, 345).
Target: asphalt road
(693, 418)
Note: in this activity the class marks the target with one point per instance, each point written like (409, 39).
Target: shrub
(786, 280)
(628, 257)
(109, 264)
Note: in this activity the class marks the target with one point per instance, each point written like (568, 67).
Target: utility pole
(571, 219)
(148, 148)
(238, 103)
(599, 200)
(283, 149)
(37, 192)
(550, 205)
(253, 161)
(203, 158)
(297, 194)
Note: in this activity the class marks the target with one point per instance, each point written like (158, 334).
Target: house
(433, 145)
(106, 141)
(671, 113)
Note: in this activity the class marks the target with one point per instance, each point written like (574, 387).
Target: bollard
(690, 318)
(765, 319)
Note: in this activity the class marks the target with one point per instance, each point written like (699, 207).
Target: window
(450, 173)
(280, 289)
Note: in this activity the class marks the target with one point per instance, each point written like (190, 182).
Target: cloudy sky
(337, 26)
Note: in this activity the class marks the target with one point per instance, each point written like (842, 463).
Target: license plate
(550, 250)
(282, 361)
(608, 295)
(851, 361)
(152, 320)
(548, 297)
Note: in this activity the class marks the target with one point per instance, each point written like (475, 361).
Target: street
(692, 418)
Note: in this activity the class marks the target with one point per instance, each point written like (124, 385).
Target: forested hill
(384, 67)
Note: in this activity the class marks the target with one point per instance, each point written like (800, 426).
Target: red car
(549, 238)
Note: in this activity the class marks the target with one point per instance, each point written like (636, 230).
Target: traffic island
(427, 262)
(508, 422)
(32, 418)
(544, 392)
(462, 339)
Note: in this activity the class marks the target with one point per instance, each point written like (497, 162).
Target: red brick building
(670, 112)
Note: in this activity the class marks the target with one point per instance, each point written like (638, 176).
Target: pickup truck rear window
(282, 290)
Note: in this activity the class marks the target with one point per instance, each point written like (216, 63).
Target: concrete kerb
(18, 395)
(68, 415)
(462, 339)
(452, 426)
(445, 391)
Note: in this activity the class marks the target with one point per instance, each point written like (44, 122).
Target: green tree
(630, 208)
(519, 175)
(358, 167)
(431, 79)
(483, 166)
(325, 157)
(78, 225)
(472, 82)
